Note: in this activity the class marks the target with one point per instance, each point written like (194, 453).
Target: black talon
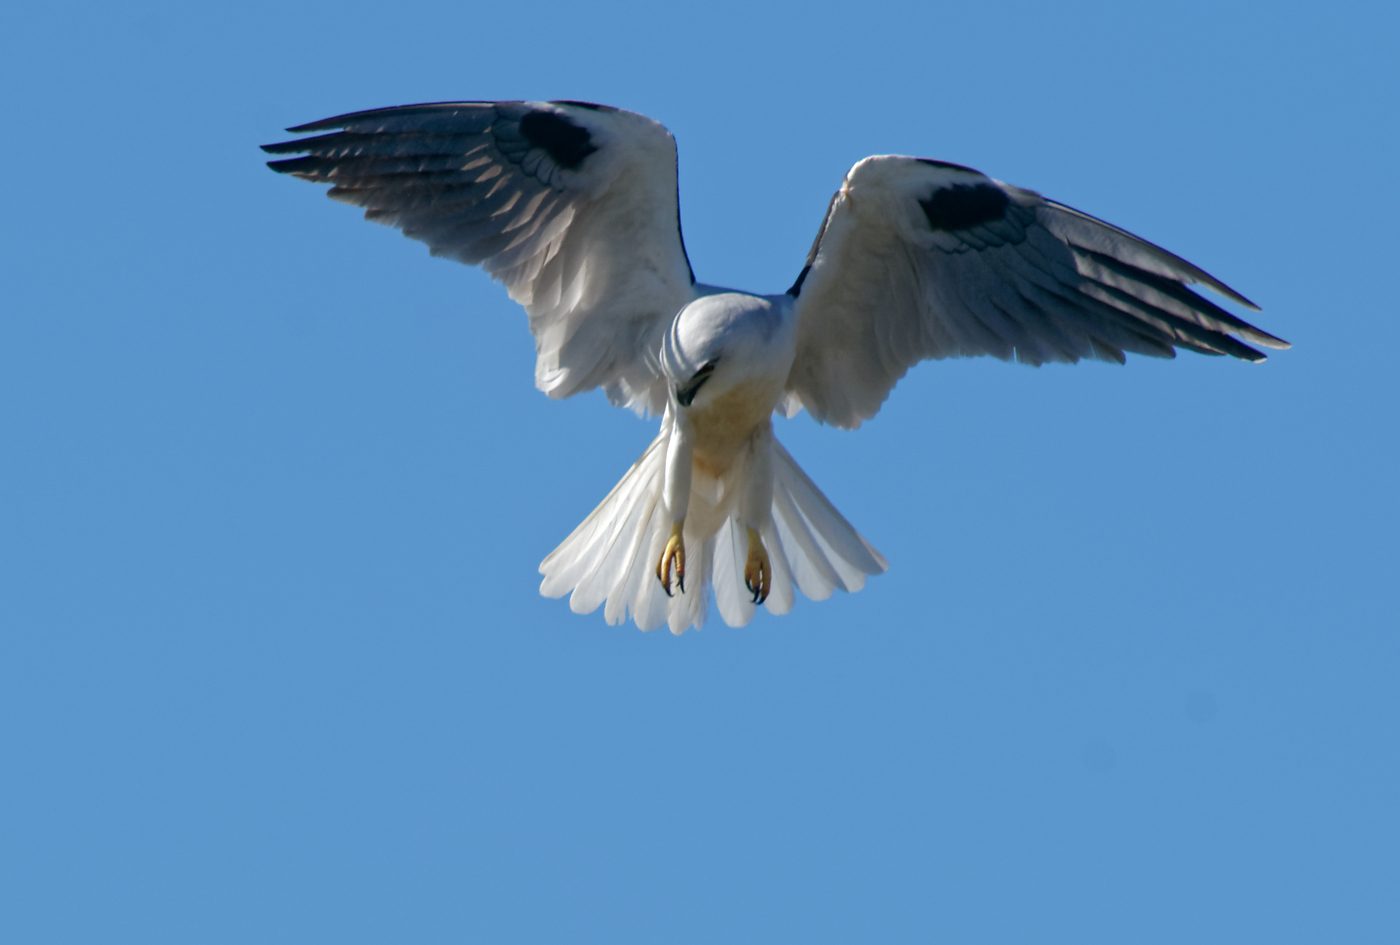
(755, 591)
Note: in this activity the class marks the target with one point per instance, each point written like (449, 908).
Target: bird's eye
(685, 393)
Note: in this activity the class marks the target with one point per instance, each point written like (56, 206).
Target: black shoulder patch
(964, 205)
(565, 142)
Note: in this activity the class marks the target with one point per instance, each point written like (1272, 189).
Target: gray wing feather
(920, 259)
(572, 206)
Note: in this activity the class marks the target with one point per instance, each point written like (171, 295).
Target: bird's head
(720, 341)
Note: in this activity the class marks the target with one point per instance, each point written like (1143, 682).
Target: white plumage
(573, 207)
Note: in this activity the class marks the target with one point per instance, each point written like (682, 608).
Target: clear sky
(275, 484)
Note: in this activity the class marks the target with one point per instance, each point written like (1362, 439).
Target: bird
(573, 206)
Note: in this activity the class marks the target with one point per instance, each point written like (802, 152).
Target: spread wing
(573, 206)
(922, 259)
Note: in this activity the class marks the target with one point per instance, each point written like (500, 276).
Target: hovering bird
(573, 206)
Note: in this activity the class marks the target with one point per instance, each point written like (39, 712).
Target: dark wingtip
(296, 166)
(285, 147)
(1233, 294)
(287, 165)
(1261, 337)
(279, 148)
(348, 118)
(321, 124)
(1199, 275)
(1275, 344)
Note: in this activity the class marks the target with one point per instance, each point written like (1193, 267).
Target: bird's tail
(610, 559)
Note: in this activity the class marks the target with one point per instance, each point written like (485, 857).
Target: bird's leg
(675, 497)
(672, 560)
(758, 570)
(756, 511)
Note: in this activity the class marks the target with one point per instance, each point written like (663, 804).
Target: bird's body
(573, 206)
(727, 357)
(714, 481)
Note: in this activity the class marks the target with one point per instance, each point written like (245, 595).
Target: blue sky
(275, 485)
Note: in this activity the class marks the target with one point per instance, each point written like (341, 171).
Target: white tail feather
(610, 558)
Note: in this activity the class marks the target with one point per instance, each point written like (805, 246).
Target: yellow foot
(758, 572)
(672, 561)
